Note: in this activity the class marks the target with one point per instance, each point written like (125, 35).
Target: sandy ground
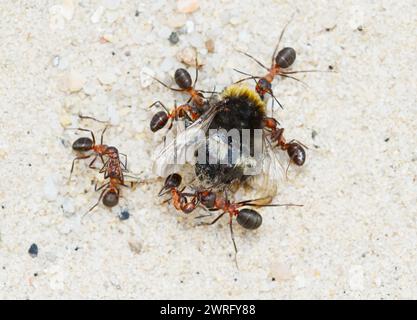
(356, 235)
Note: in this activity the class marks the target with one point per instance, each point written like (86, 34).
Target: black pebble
(124, 215)
(33, 250)
(173, 38)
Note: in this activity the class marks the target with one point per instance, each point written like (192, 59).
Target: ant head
(249, 219)
(112, 152)
(83, 144)
(285, 57)
(111, 198)
(296, 153)
(183, 79)
(158, 121)
(172, 181)
(263, 87)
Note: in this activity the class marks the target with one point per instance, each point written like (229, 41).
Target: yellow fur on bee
(244, 92)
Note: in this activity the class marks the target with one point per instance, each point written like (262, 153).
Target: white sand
(356, 235)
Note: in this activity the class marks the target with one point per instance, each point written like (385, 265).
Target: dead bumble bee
(230, 144)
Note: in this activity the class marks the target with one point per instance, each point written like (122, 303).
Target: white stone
(189, 26)
(56, 61)
(72, 81)
(96, 16)
(167, 64)
(188, 56)
(111, 4)
(356, 278)
(107, 77)
(146, 77)
(50, 189)
(113, 115)
(187, 6)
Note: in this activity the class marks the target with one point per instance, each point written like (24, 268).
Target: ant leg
(246, 74)
(272, 95)
(297, 141)
(102, 134)
(232, 235)
(214, 221)
(286, 170)
(280, 38)
(294, 78)
(166, 86)
(253, 58)
(160, 104)
(101, 187)
(196, 71)
(96, 204)
(125, 163)
(73, 163)
(92, 162)
(104, 167)
(85, 130)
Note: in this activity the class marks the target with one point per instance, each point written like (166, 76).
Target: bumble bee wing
(271, 175)
(170, 156)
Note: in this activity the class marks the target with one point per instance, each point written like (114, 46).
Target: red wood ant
(294, 148)
(161, 118)
(113, 168)
(212, 201)
(281, 60)
(85, 144)
(183, 79)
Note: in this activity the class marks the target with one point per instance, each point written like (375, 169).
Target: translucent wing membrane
(266, 183)
(170, 156)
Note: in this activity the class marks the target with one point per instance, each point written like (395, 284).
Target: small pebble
(188, 56)
(50, 190)
(135, 246)
(187, 6)
(209, 45)
(72, 82)
(112, 4)
(124, 215)
(56, 61)
(189, 26)
(95, 18)
(107, 77)
(173, 38)
(113, 114)
(33, 250)
(146, 77)
(167, 64)
(176, 21)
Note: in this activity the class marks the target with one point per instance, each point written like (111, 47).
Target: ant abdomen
(183, 78)
(296, 153)
(173, 181)
(208, 199)
(110, 199)
(249, 219)
(285, 57)
(82, 144)
(158, 121)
